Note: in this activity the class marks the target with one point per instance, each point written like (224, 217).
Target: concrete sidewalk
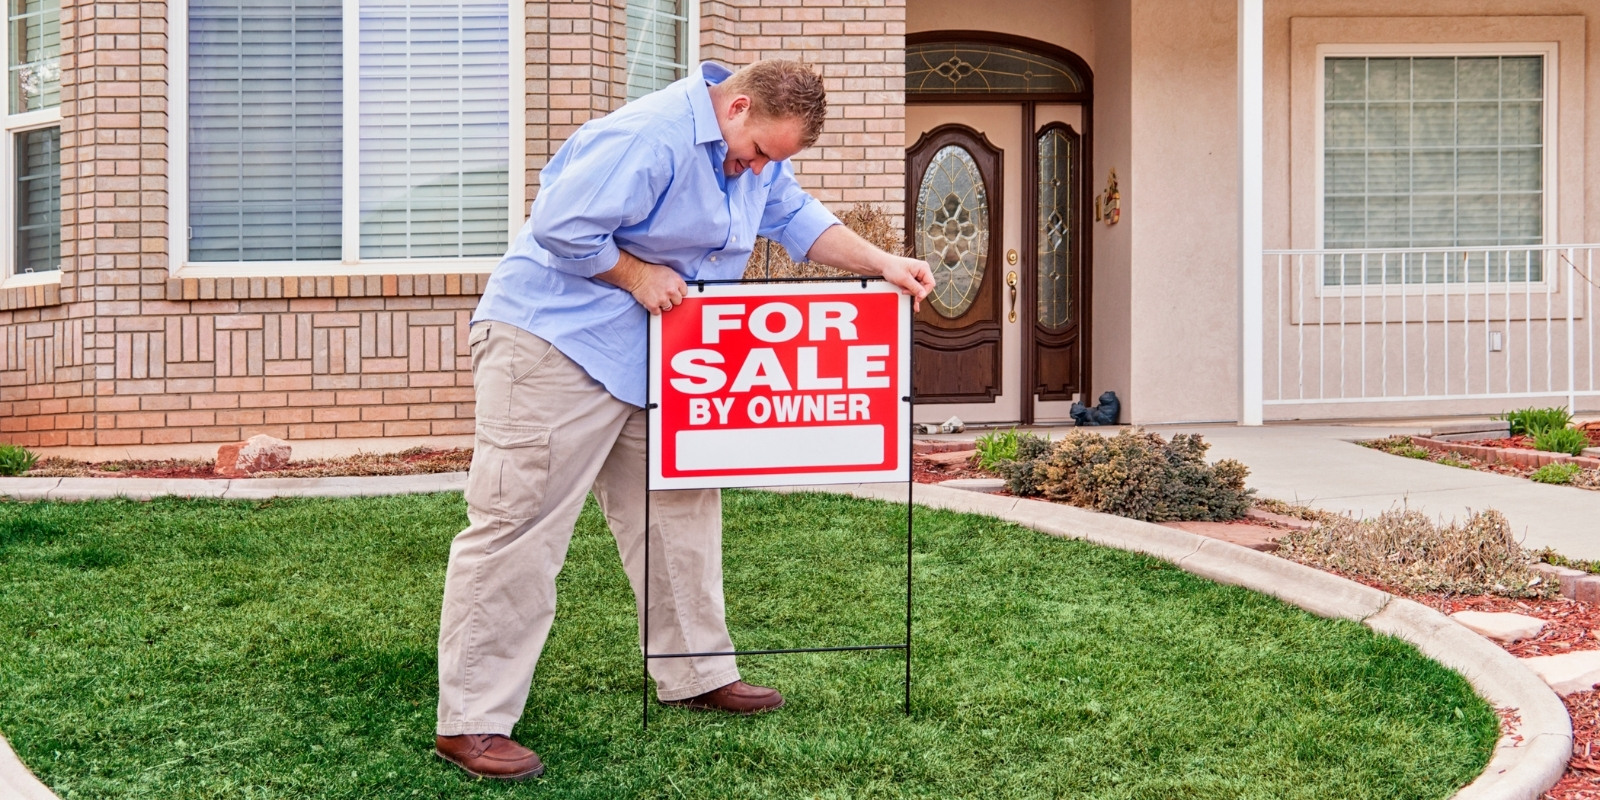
(1321, 466)
(1316, 464)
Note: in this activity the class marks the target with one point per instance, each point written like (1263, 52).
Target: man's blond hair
(783, 89)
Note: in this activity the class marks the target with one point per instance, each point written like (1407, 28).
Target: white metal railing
(1428, 324)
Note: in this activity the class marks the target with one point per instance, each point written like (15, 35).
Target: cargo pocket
(510, 466)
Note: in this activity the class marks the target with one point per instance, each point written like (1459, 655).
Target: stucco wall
(1112, 351)
(1294, 29)
(1182, 201)
(1066, 23)
(1180, 190)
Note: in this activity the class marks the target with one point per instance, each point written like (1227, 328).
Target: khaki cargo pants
(546, 434)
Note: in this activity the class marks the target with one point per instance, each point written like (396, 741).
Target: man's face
(754, 141)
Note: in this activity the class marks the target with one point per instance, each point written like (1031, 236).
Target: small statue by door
(1105, 413)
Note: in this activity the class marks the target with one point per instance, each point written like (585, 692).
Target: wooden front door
(955, 174)
(994, 204)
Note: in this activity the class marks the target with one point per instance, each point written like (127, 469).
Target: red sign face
(762, 385)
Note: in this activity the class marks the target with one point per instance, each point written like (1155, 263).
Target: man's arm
(655, 287)
(841, 247)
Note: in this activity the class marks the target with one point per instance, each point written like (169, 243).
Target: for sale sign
(764, 385)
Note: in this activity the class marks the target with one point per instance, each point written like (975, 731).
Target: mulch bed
(417, 461)
(928, 470)
(1525, 442)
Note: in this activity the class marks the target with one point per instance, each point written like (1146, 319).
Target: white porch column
(1251, 295)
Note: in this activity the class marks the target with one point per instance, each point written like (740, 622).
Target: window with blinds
(268, 141)
(33, 123)
(660, 49)
(1433, 152)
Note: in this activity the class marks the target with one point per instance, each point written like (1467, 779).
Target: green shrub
(1561, 440)
(1139, 475)
(995, 447)
(1024, 471)
(1531, 421)
(15, 460)
(1556, 473)
(1405, 548)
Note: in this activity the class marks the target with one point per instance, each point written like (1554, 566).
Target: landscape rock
(951, 457)
(1500, 626)
(1567, 673)
(1281, 520)
(257, 454)
(985, 485)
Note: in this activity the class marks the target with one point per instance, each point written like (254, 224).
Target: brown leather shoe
(489, 755)
(735, 698)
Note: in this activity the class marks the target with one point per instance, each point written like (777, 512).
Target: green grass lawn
(285, 649)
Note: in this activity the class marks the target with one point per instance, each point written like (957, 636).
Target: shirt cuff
(588, 266)
(805, 227)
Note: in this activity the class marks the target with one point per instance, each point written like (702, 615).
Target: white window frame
(690, 45)
(15, 124)
(350, 262)
(1550, 53)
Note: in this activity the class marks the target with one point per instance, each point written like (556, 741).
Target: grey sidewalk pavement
(1322, 466)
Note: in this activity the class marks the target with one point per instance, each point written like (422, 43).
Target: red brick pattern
(120, 353)
(859, 48)
(1506, 455)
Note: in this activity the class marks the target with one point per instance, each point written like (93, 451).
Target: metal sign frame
(653, 409)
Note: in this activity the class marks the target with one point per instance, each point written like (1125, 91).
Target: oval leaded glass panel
(1056, 153)
(963, 68)
(953, 229)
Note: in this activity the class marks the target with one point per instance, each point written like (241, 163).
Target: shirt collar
(705, 117)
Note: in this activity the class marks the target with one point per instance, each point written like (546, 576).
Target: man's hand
(655, 287)
(910, 274)
(841, 247)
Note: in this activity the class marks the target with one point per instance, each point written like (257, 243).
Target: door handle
(1011, 280)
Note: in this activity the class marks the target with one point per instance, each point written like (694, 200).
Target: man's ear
(738, 105)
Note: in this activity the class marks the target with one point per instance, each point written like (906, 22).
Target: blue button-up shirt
(648, 179)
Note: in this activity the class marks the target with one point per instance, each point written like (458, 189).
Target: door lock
(1011, 280)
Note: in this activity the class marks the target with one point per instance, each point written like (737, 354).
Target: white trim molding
(350, 263)
(1252, 169)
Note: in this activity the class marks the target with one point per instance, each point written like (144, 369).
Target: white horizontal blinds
(657, 55)
(35, 45)
(38, 200)
(33, 84)
(265, 140)
(435, 122)
(1433, 152)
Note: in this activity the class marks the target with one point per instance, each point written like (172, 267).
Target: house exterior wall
(1184, 291)
(1112, 288)
(126, 352)
(1294, 28)
(1181, 205)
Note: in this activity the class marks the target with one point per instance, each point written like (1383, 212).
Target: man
(672, 187)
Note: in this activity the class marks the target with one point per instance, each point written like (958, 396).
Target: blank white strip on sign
(778, 448)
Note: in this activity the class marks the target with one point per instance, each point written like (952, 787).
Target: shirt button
(713, 258)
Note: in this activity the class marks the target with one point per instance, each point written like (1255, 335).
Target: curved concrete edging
(1523, 766)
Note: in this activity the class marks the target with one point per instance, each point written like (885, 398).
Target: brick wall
(123, 355)
(859, 48)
